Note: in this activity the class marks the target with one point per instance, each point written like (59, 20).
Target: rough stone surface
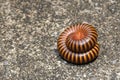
(29, 30)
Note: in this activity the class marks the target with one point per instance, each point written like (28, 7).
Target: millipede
(78, 44)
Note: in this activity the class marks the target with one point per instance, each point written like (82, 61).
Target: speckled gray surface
(29, 30)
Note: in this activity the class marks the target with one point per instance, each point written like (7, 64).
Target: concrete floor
(28, 39)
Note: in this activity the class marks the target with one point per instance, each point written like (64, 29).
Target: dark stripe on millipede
(71, 44)
(98, 46)
(72, 57)
(69, 56)
(76, 58)
(66, 55)
(62, 52)
(83, 59)
(60, 45)
(79, 46)
(92, 56)
(87, 46)
(61, 48)
(84, 48)
(74, 48)
(87, 57)
(94, 51)
(68, 42)
(94, 36)
(92, 40)
(91, 44)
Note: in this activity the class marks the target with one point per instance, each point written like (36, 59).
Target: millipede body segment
(78, 44)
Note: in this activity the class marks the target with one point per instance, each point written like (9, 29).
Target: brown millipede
(78, 44)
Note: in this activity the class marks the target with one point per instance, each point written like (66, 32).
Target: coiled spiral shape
(78, 44)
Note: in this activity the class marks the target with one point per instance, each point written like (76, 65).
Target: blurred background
(28, 39)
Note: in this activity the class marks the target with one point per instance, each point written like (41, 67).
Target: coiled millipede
(78, 44)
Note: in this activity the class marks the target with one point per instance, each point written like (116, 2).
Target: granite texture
(28, 39)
